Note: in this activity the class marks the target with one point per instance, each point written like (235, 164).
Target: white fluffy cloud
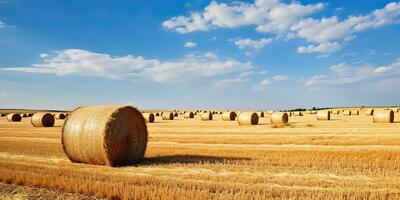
(2, 24)
(254, 44)
(228, 83)
(280, 78)
(325, 48)
(287, 19)
(344, 73)
(262, 85)
(266, 15)
(190, 45)
(87, 63)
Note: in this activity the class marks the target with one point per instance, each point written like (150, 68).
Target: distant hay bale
(324, 115)
(260, 114)
(105, 135)
(30, 114)
(355, 112)
(157, 114)
(24, 115)
(149, 117)
(13, 117)
(188, 115)
(3, 114)
(297, 113)
(167, 116)
(347, 112)
(369, 112)
(176, 114)
(59, 116)
(228, 116)
(279, 118)
(207, 116)
(248, 118)
(42, 119)
(383, 116)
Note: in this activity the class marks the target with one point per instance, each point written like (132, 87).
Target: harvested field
(348, 157)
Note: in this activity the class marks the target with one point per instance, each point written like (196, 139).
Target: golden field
(348, 157)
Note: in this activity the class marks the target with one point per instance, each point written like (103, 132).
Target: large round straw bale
(248, 118)
(324, 115)
(167, 116)
(105, 135)
(298, 113)
(279, 118)
(383, 116)
(176, 114)
(59, 116)
(13, 117)
(157, 114)
(42, 119)
(189, 115)
(149, 117)
(355, 112)
(3, 114)
(207, 116)
(229, 116)
(347, 112)
(369, 112)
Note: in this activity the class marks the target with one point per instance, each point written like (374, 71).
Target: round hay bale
(149, 117)
(23, 115)
(167, 116)
(279, 118)
(42, 119)
(105, 135)
(3, 114)
(189, 115)
(383, 116)
(355, 112)
(248, 118)
(228, 116)
(157, 114)
(324, 115)
(207, 116)
(176, 114)
(347, 112)
(260, 114)
(13, 117)
(369, 112)
(298, 113)
(59, 116)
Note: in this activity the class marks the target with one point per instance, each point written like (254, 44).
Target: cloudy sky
(259, 54)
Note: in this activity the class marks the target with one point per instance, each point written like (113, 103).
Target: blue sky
(263, 54)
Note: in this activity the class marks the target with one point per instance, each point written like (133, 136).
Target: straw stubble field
(348, 157)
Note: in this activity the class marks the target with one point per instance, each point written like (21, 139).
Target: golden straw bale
(59, 115)
(149, 117)
(347, 112)
(355, 112)
(298, 113)
(42, 119)
(248, 118)
(105, 135)
(176, 114)
(13, 117)
(167, 116)
(207, 116)
(279, 118)
(369, 112)
(228, 116)
(324, 115)
(189, 115)
(383, 116)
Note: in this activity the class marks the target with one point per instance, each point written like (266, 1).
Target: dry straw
(324, 115)
(13, 117)
(59, 116)
(355, 112)
(149, 117)
(260, 114)
(279, 118)
(42, 119)
(207, 116)
(167, 116)
(369, 112)
(298, 113)
(105, 135)
(229, 116)
(383, 116)
(189, 115)
(248, 118)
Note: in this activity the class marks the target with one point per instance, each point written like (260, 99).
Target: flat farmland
(348, 157)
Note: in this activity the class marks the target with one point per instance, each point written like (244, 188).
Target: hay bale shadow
(189, 159)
